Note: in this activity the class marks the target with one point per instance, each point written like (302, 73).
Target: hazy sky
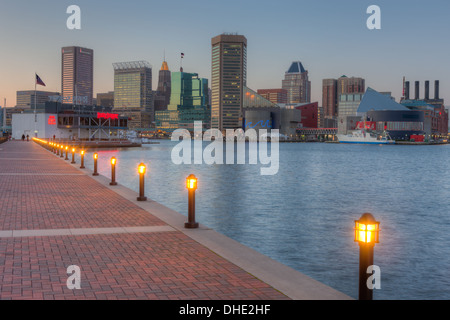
(329, 37)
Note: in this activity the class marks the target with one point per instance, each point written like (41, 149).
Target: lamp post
(62, 152)
(57, 150)
(73, 155)
(82, 159)
(95, 164)
(191, 185)
(141, 170)
(113, 171)
(67, 151)
(366, 234)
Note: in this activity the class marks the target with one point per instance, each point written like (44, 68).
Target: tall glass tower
(77, 76)
(133, 95)
(228, 78)
(188, 103)
(297, 84)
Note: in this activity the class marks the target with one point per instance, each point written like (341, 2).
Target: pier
(53, 215)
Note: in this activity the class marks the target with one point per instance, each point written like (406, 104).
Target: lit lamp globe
(367, 230)
(191, 182)
(141, 168)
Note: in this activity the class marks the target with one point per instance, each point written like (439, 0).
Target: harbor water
(304, 215)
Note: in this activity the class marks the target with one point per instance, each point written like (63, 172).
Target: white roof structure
(131, 65)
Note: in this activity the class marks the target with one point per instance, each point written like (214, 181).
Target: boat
(365, 137)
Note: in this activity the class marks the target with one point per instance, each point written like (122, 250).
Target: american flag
(39, 81)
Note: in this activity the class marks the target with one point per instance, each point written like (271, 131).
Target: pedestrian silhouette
(23, 137)
(28, 138)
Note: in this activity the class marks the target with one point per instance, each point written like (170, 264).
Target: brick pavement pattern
(40, 191)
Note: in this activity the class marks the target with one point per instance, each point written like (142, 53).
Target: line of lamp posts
(366, 228)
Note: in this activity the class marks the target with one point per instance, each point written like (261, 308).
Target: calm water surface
(304, 215)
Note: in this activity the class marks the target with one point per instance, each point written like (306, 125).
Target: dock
(54, 215)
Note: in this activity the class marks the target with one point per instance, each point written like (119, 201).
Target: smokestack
(417, 90)
(407, 90)
(436, 89)
(427, 90)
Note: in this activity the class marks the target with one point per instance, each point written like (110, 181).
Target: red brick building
(310, 114)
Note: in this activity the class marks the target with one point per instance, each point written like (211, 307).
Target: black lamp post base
(141, 198)
(191, 225)
(113, 183)
(95, 174)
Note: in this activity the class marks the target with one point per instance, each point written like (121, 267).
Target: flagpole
(35, 100)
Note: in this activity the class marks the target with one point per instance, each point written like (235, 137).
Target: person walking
(23, 137)
(28, 138)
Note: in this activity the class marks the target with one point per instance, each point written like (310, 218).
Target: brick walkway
(52, 216)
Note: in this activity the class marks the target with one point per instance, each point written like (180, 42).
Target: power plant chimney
(427, 90)
(436, 89)
(407, 90)
(416, 90)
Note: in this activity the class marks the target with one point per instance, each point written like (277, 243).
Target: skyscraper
(228, 78)
(346, 85)
(77, 76)
(335, 91)
(162, 96)
(189, 102)
(297, 84)
(329, 98)
(133, 92)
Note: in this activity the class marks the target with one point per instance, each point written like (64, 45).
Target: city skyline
(329, 39)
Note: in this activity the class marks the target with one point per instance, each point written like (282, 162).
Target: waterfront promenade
(54, 214)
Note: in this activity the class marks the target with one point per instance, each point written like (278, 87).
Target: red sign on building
(370, 125)
(107, 115)
(51, 120)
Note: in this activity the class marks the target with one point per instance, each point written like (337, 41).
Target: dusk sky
(330, 38)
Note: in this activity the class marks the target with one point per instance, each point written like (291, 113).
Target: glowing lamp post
(57, 150)
(73, 155)
(191, 185)
(113, 171)
(95, 164)
(82, 159)
(67, 151)
(141, 170)
(366, 234)
(62, 151)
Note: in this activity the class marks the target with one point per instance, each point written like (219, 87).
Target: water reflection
(303, 216)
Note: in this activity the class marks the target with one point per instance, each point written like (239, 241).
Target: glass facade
(228, 78)
(254, 100)
(26, 99)
(133, 92)
(188, 103)
(348, 104)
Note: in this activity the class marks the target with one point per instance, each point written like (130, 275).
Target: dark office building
(77, 76)
(162, 95)
(228, 78)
